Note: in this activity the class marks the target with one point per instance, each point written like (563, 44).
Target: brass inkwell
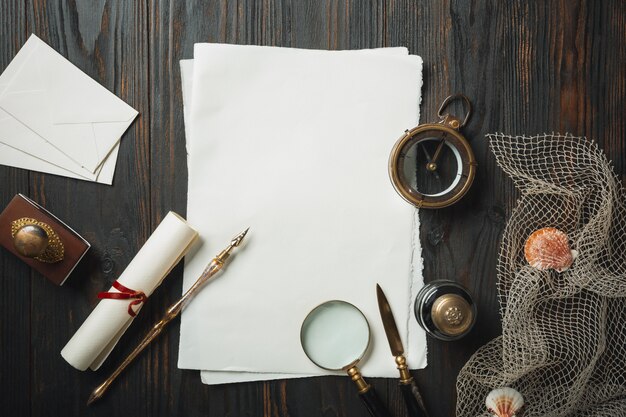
(445, 310)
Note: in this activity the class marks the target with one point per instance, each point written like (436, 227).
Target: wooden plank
(429, 31)
(108, 42)
(15, 288)
(528, 69)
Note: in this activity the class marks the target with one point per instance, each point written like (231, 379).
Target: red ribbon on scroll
(125, 294)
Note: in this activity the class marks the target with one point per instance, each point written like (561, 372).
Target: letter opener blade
(410, 391)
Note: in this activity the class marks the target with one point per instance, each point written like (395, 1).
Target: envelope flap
(74, 97)
(17, 66)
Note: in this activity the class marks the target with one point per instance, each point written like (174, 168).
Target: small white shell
(548, 248)
(504, 402)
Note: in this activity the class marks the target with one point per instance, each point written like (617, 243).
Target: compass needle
(438, 151)
(426, 152)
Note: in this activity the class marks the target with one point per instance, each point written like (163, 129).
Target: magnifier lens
(432, 180)
(334, 335)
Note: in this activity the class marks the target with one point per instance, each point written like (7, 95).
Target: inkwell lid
(452, 314)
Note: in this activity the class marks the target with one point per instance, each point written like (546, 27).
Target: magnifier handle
(375, 407)
(413, 399)
(373, 404)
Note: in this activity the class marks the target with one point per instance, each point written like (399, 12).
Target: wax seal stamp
(40, 239)
(37, 240)
(445, 310)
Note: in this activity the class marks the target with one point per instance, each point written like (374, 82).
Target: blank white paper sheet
(295, 144)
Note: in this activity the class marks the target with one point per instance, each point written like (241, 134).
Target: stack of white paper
(295, 143)
(56, 119)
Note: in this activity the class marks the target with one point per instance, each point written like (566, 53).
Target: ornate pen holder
(40, 239)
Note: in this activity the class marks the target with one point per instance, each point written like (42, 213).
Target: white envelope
(12, 157)
(64, 107)
(13, 133)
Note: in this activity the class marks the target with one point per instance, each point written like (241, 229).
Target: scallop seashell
(548, 248)
(504, 402)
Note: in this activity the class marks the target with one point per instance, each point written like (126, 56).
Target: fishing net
(563, 343)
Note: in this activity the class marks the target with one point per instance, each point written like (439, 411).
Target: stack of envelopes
(56, 119)
(295, 143)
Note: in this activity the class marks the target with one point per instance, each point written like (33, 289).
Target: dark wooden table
(529, 67)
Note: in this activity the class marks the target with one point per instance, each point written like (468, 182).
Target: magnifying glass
(335, 336)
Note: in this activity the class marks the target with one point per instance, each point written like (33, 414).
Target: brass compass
(432, 165)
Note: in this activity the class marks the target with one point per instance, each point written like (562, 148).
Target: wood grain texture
(529, 68)
(107, 41)
(15, 276)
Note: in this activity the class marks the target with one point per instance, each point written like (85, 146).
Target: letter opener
(410, 392)
(211, 269)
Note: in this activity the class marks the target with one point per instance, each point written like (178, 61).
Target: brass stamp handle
(37, 240)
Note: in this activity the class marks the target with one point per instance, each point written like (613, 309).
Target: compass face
(432, 166)
(419, 172)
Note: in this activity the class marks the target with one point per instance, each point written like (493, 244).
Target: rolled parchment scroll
(96, 338)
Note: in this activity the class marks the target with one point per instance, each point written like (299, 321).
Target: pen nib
(237, 239)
